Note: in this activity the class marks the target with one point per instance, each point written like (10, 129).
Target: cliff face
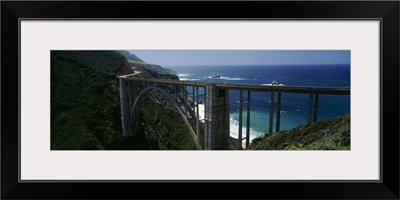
(124, 69)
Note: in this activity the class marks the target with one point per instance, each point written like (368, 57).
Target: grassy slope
(328, 134)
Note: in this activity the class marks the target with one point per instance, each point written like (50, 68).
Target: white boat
(274, 83)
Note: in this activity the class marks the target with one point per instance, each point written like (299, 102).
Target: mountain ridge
(136, 62)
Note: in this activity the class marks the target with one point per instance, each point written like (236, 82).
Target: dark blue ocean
(294, 107)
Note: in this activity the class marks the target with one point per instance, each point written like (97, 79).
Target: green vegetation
(102, 61)
(85, 106)
(328, 134)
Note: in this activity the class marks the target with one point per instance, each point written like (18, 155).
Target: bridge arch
(169, 97)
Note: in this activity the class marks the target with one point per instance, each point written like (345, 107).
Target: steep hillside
(329, 134)
(85, 106)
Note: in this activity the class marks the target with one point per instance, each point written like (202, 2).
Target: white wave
(233, 79)
(189, 79)
(234, 130)
(226, 78)
(270, 84)
(201, 111)
(184, 75)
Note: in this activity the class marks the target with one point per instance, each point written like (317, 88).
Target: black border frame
(386, 11)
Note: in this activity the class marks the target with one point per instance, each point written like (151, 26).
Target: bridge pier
(271, 113)
(313, 108)
(128, 94)
(124, 105)
(216, 121)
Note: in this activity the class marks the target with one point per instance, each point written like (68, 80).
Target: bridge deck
(252, 87)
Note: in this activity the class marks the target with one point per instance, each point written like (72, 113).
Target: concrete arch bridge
(184, 96)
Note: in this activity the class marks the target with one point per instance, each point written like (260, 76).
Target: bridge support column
(128, 94)
(310, 105)
(316, 108)
(278, 113)
(124, 105)
(216, 121)
(271, 113)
